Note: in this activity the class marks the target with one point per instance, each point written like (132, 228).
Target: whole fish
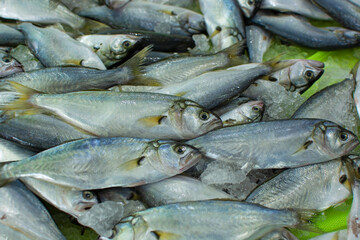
(149, 115)
(72, 79)
(8, 65)
(302, 7)
(344, 12)
(313, 187)
(10, 151)
(55, 48)
(299, 76)
(105, 162)
(277, 144)
(147, 16)
(200, 220)
(239, 111)
(220, 85)
(249, 7)
(39, 131)
(179, 69)
(27, 59)
(301, 32)
(258, 41)
(334, 103)
(9, 233)
(24, 213)
(178, 189)
(110, 48)
(353, 225)
(40, 11)
(10, 36)
(224, 22)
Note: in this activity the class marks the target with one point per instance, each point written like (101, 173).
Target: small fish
(205, 220)
(258, 41)
(55, 48)
(105, 162)
(22, 211)
(40, 11)
(110, 48)
(178, 189)
(277, 144)
(10, 36)
(8, 65)
(239, 111)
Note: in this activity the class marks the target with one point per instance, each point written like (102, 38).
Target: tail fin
(234, 53)
(276, 64)
(137, 60)
(3, 177)
(307, 222)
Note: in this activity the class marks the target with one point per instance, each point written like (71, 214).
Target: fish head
(334, 140)
(83, 200)
(304, 73)
(252, 110)
(174, 158)
(249, 7)
(123, 195)
(191, 22)
(8, 65)
(192, 120)
(120, 45)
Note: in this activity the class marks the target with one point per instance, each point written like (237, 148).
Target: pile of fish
(159, 120)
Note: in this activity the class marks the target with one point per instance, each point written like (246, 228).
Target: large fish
(55, 48)
(277, 144)
(105, 162)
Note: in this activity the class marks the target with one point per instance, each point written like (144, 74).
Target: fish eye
(204, 116)
(6, 59)
(250, 2)
(344, 136)
(255, 108)
(180, 149)
(88, 195)
(309, 74)
(126, 44)
(343, 179)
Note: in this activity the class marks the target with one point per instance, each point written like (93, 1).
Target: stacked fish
(105, 103)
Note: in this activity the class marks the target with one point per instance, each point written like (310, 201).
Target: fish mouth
(190, 161)
(352, 145)
(214, 124)
(7, 70)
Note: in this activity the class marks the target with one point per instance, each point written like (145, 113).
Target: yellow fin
(165, 235)
(234, 54)
(180, 94)
(168, 12)
(151, 121)
(132, 164)
(303, 147)
(137, 60)
(76, 62)
(22, 102)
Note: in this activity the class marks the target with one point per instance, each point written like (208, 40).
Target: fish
(9, 233)
(334, 103)
(178, 189)
(224, 22)
(258, 42)
(239, 111)
(301, 32)
(39, 131)
(123, 195)
(280, 234)
(75, 5)
(344, 12)
(353, 222)
(110, 48)
(26, 58)
(210, 219)
(249, 7)
(23, 212)
(39, 11)
(10, 36)
(99, 163)
(356, 91)
(54, 80)
(179, 69)
(144, 115)
(299, 76)
(147, 16)
(302, 7)
(8, 65)
(313, 187)
(179, 3)
(10, 151)
(55, 48)
(277, 144)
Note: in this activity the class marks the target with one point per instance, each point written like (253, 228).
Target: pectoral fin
(76, 62)
(303, 147)
(152, 121)
(180, 94)
(165, 235)
(132, 164)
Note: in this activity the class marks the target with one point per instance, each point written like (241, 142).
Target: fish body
(280, 234)
(277, 144)
(105, 162)
(23, 212)
(10, 151)
(10, 36)
(40, 11)
(55, 48)
(258, 41)
(9, 233)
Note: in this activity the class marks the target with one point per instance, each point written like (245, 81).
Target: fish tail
(276, 64)
(23, 102)
(135, 62)
(4, 179)
(235, 54)
(306, 221)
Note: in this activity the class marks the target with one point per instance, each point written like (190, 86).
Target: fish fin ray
(160, 235)
(306, 220)
(152, 121)
(233, 52)
(303, 147)
(132, 164)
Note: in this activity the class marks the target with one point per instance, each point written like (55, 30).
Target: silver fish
(179, 3)
(356, 92)
(105, 162)
(110, 48)
(200, 220)
(55, 48)
(10, 151)
(277, 144)
(313, 187)
(178, 189)
(23, 212)
(123, 195)
(40, 11)
(10, 36)
(8, 65)
(258, 41)
(224, 22)
(7, 233)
